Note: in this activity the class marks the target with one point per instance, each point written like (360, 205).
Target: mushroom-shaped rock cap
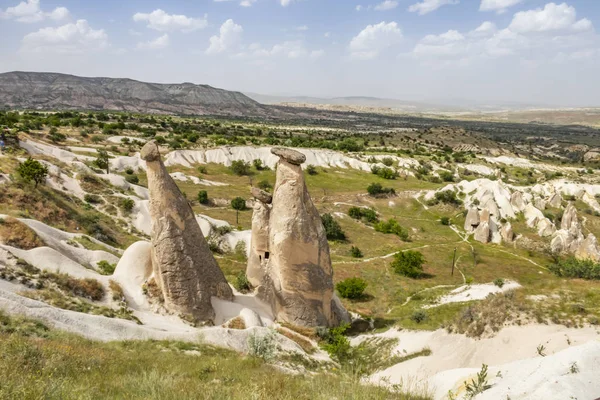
(150, 152)
(261, 195)
(289, 155)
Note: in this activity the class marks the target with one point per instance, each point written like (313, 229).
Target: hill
(53, 91)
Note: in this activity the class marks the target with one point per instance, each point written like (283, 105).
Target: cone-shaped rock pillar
(183, 264)
(297, 277)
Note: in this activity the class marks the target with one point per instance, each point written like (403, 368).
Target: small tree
(127, 204)
(102, 160)
(240, 167)
(238, 204)
(203, 197)
(311, 169)
(355, 252)
(351, 288)
(445, 221)
(32, 170)
(409, 263)
(333, 230)
(258, 164)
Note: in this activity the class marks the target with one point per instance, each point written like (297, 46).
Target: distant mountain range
(53, 91)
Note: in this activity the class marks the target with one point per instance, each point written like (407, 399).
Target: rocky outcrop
(556, 200)
(506, 232)
(292, 270)
(259, 242)
(588, 249)
(482, 233)
(472, 220)
(184, 267)
(517, 202)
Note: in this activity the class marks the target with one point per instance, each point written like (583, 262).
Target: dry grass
(301, 341)
(16, 234)
(116, 290)
(236, 323)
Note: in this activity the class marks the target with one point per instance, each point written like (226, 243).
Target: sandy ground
(456, 357)
(474, 292)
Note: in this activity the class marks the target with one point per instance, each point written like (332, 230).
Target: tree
(127, 204)
(102, 160)
(355, 252)
(333, 230)
(203, 197)
(409, 263)
(32, 170)
(238, 204)
(258, 164)
(240, 167)
(351, 288)
(311, 169)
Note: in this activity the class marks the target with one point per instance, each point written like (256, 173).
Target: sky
(442, 51)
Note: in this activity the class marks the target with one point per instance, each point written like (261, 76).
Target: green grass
(38, 362)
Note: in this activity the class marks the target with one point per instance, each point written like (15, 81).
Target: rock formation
(472, 220)
(183, 265)
(292, 269)
(506, 232)
(482, 233)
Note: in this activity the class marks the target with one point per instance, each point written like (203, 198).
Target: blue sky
(483, 51)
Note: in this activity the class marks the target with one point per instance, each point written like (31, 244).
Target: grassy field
(38, 362)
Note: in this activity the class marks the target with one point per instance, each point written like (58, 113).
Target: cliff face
(52, 91)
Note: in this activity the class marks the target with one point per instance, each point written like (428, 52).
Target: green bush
(264, 185)
(445, 197)
(129, 171)
(127, 204)
(203, 197)
(419, 316)
(335, 343)
(332, 228)
(574, 268)
(385, 172)
(367, 214)
(92, 198)
(242, 284)
(376, 189)
(351, 288)
(446, 176)
(445, 221)
(133, 179)
(311, 169)
(499, 282)
(409, 263)
(240, 167)
(392, 226)
(355, 252)
(106, 268)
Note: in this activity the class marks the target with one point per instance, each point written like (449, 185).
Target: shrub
(127, 204)
(102, 160)
(499, 282)
(242, 284)
(574, 268)
(376, 189)
(446, 176)
(240, 167)
(387, 161)
(332, 228)
(202, 169)
(92, 198)
(264, 185)
(351, 288)
(133, 179)
(262, 346)
(17, 234)
(445, 221)
(336, 344)
(129, 171)
(87, 288)
(32, 170)
(419, 316)
(355, 252)
(106, 268)
(385, 172)
(445, 197)
(409, 263)
(258, 164)
(311, 169)
(238, 204)
(203, 197)
(367, 214)
(392, 226)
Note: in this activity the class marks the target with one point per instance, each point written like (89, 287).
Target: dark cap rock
(150, 152)
(261, 195)
(289, 155)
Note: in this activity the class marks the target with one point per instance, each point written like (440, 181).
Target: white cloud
(317, 54)
(29, 11)
(229, 36)
(427, 6)
(71, 38)
(485, 29)
(552, 17)
(386, 5)
(302, 28)
(327, 34)
(156, 44)
(286, 3)
(498, 6)
(358, 8)
(163, 22)
(247, 3)
(375, 38)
